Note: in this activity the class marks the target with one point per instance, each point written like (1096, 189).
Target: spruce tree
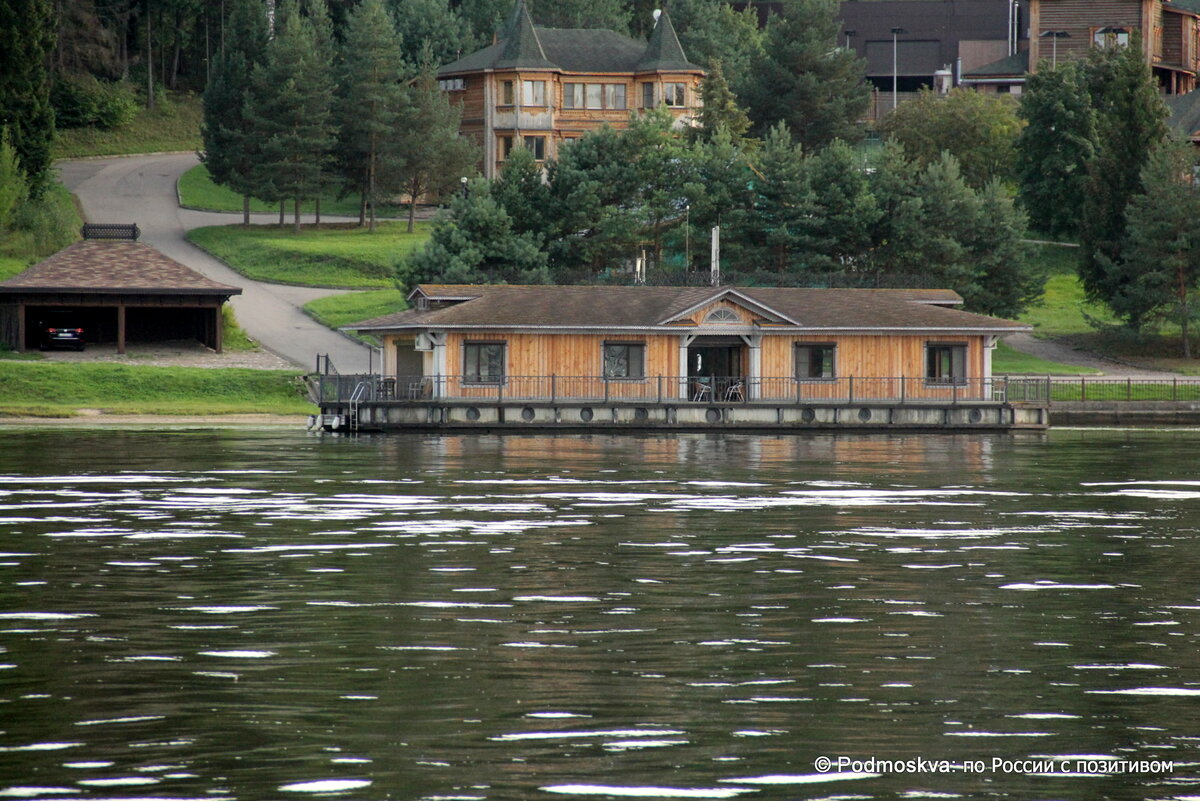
(27, 36)
(372, 103)
(13, 187)
(288, 109)
(720, 110)
(773, 237)
(229, 145)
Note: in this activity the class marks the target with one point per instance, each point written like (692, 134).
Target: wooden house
(540, 87)
(675, 356)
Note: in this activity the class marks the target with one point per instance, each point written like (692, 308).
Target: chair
(702, 389)
(416, 389)
(385, 388)
(735, 391)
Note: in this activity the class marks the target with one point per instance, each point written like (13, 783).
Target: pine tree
(844, 210)
(611, 15)
(720, 110)
(1008, 280)
(431, 31)
(521, 190)
(805, 80)
(1130, 123)
(371, 105)
(13, 187)
(434, 156)
(774, 235)
(229, 147)
(1054, 148)
(712, 32)
(288, 109)
(1162, 246)
(27, 36)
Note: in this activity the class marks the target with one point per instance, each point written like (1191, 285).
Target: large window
(614, 95)
(594, 95)
(675, 94)
(507, 95)
(624, 360)
(533, 93)
(946, 363)
(483, 362)
(816, 361)
(537, 146)
(647, 95)
(1110, 37)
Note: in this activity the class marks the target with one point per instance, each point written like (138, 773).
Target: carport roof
(96, 266)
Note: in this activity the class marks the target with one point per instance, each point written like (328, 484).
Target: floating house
(677, 357)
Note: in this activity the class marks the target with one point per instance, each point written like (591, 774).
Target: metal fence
(1084, 389)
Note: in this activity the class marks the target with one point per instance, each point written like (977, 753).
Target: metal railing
(721, 390)
(1099, 389)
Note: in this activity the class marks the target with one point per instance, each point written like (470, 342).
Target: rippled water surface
(261, 615)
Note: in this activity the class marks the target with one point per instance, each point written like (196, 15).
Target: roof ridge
(522, 47)
(664, 51)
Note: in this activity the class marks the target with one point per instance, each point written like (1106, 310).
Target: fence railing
(332, 388)
(1098, 389)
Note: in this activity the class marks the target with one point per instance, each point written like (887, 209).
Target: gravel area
(173, 354)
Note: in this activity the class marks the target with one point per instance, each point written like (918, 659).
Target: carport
(120, 291)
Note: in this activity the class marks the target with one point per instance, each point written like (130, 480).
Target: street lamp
(1054, 36)
(848, 34)
(895, 33)
(463, 181)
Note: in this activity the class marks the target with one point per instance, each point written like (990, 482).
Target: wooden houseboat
(677, 358)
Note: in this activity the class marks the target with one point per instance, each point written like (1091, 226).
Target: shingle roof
(98, 266)
(575, 50)
(1015, 65)
(1189, 6)
(1185, 112)
(617, 307)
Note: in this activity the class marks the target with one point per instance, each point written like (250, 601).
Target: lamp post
(849, 34)
(895, 72)
(1054, 36)
(463, 182)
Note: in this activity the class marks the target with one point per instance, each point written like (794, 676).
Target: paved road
(141, 189)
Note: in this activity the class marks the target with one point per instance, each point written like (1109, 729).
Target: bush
(43, 225)
(81, 101)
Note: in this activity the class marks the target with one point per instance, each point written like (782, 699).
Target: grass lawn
(1006, 361)
(197, 191)
(12, 265)
(332, 256)
(338, 310)
(173, 126)
(57, 389)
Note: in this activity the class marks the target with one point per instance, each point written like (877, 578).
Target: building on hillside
(539, 87)
(677, 357)
(116, 290)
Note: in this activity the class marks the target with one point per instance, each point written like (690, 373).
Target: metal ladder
(355, 399)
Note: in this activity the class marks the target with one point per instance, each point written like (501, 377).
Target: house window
(537, 146)
(483, 362)
(533, 93)
(614, 95)
(675, 94)
(573, 95)
(1109, 36)
(945, 363)
(816, 361)
(507, 97)
(452, 84)
(647, 95)
(722, 315)
(506, 146)
(624, 360)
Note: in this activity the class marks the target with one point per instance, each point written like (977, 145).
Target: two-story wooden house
(539, 87)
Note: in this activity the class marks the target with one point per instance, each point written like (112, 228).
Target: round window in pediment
(722, 315)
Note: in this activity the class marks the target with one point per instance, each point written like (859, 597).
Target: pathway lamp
(1054, 36)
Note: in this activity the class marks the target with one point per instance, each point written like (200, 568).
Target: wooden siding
(745, 316)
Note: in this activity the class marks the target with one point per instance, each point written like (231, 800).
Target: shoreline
(160, 421)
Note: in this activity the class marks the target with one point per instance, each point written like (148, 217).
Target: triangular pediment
(707, 312)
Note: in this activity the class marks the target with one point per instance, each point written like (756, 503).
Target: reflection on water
(273, 614)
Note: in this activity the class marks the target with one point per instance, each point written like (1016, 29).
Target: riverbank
(93, 418)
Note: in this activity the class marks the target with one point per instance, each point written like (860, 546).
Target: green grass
(173, 126)
(338, 310)
(331, 256)
(57, 389)
(12, 265)
(1006, 361)
(197, 191)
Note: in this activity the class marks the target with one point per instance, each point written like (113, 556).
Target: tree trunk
(296, 216)
(412, 205)
(362, 208)
(282, 212)
(149, 59)
(245, 209)
(1187, 339)
(370, 193)
(317, 212)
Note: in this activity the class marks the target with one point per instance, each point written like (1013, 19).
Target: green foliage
(720, 111)
(713, 33)
(612, 15)
(771, 231)
(27, 37)
(39, 226)
(1130, 123)
(476, 244)
(331, 256)
(172, 125)
(979, 130)
(431, 33)
(1162, 249)
(805, 80)
(198, 191)
(1054, 149)
(60, 388)
(1007, 280)
(336, 311)
(522, 192)
(13, 187)
(82, 101)
(1007, 361)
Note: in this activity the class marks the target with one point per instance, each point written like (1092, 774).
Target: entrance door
(715, 370)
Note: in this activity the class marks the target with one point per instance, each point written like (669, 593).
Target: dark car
(61, 330)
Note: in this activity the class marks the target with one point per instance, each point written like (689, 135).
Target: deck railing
(723, 390)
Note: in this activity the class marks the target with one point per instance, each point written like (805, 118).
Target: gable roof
(643, 308)
(1185, 113)
(524, 45)
(98, 266)
(1014, 66)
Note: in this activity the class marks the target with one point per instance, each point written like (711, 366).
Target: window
(722, 315)
(624, 360)
(595, 95)
(573, 95)
(483, 362)
(614, 95)
(945, 363)
(507, 98)
(506, 146)
(675, 94)
(647, 95)
(1110, 37)
(816, 361)
(537, 146)
(533, 93)
(452, 84)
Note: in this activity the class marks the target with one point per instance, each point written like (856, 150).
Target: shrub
(82, 100)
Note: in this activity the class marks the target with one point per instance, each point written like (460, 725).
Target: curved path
(142, 189)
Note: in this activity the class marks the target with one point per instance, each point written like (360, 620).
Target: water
(262, 615)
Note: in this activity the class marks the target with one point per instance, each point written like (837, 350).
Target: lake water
(274, 614)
